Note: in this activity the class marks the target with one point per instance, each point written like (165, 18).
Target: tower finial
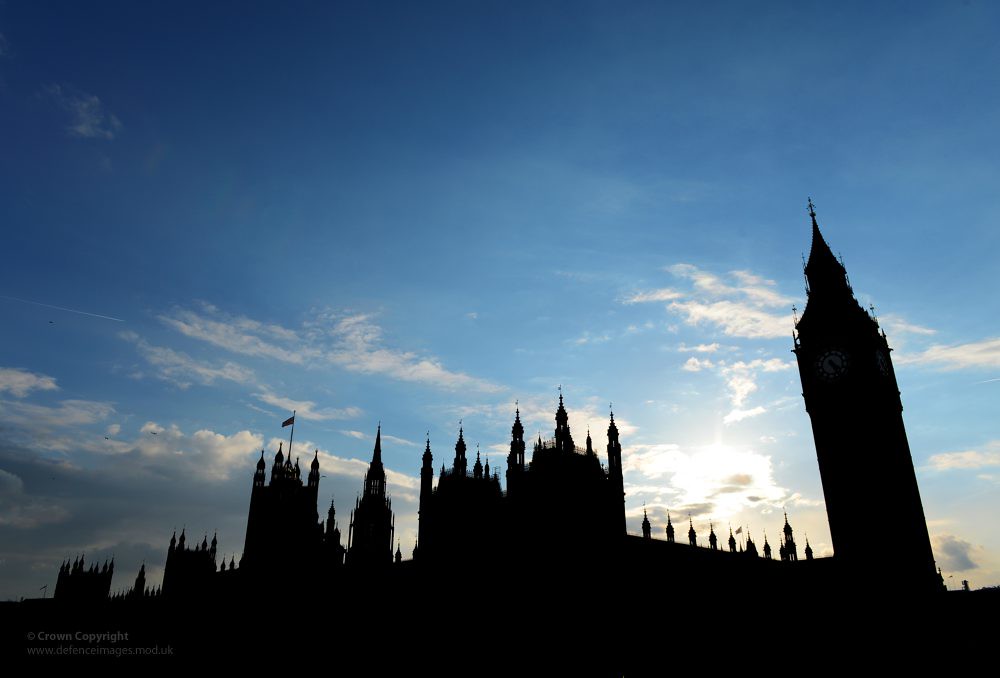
(812, 209)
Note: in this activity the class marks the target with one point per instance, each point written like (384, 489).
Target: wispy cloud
(239, 334)
(734, 318)
(590, 338)
(353, 342)
(739, 304)
(358, 346)
(977, 354)
(307, 409)
(19, 382)
(662, 294)
(895, 324)
(66, 413)
(986, 457)
(89, 118)
(737, 414)
(179, 368)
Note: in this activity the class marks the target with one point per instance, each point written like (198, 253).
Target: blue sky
(420, 213)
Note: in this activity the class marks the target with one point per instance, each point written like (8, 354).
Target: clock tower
(854, 403)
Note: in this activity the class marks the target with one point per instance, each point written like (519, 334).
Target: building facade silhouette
(853, 400)
(564, 506)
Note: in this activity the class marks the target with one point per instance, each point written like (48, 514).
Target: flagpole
(291, 437)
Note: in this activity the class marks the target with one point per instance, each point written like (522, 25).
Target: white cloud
(167, 450)
(737, 415)
(741, 377)
(239, 334)
(895, 324)
(697, 365)
(358, 347)
(978, 354)
(353, 342)
(113, 429)
(735, 319)
(90, 119)
(739, 308)
(178, 367)
(663, 294)
(968, 459)
(588, 338)
(20, 383)
(700, 348)
(306, 409)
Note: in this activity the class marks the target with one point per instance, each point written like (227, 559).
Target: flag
(739, 530)
(288, 422)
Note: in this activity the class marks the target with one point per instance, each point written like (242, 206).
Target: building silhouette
(853, 401)
(552, 536)
(373, 526)
(78, 583)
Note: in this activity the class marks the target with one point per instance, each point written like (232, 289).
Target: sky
(423, 213)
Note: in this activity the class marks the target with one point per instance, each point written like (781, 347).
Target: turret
(647, 529)
(426, 489)
(314, 472)
(260, 474)
(461, 464)
(692, 536)
(790, 551)
(477, 469)
(616, 479)
(564, 440)
(670, 529)
(515, 459)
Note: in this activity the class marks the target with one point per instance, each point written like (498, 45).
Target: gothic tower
(372, 526)
(426, 488)
(852, 398)
(515, 460)
(616, 480)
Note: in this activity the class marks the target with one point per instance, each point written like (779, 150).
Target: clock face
(882, 361)
(831, 365)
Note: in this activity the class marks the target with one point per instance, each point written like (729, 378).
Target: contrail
(60, 308)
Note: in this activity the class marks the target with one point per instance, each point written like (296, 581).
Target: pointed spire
(377, 455)
(428, 458)
(826, 274)
(280, 457)
(315, 461)
(517, 430)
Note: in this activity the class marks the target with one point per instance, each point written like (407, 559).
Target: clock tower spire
(854, 404)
